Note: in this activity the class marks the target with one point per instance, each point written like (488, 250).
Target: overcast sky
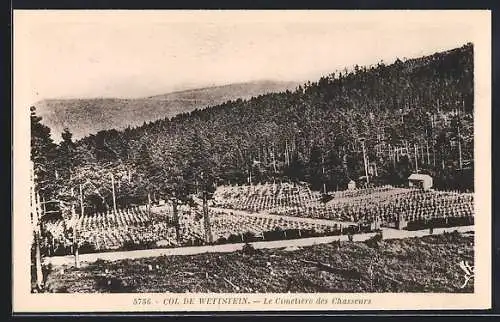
(136, 54)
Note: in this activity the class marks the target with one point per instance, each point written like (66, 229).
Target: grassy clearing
(427, 264)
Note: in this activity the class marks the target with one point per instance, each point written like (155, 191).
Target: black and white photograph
(280, 154)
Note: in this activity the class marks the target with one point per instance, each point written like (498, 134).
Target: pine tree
(43, 154)
(66, 155)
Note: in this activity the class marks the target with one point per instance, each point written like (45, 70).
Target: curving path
(388, 233)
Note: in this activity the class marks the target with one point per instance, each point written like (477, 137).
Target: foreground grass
(427, 264)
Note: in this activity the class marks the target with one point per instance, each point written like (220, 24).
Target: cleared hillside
(87, 116)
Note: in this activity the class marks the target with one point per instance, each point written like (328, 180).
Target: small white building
(351, 185)
(418, 180)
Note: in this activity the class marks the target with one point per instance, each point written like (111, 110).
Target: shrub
(111, 284)
(374, 241)
(248, 249)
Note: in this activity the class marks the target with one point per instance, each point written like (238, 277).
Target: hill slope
(409, 116)
(87, 116)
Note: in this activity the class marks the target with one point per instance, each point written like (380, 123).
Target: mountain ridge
(84, 116)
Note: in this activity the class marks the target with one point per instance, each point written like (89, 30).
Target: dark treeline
(411, 115)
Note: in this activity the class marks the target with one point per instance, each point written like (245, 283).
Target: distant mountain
(87, 116)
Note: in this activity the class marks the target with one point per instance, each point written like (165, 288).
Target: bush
(248, 249)
(111, 284)
(86, 248)
(374, 241)
(452, 236)
(249, 236)
(221, 240)
(130, 245)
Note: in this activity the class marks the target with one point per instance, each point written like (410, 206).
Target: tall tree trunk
(206, 217)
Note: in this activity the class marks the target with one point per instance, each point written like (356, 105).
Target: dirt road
(388, 233)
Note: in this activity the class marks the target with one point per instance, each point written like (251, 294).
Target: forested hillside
(410, 115)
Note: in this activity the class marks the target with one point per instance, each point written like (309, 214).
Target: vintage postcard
(251, 160)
